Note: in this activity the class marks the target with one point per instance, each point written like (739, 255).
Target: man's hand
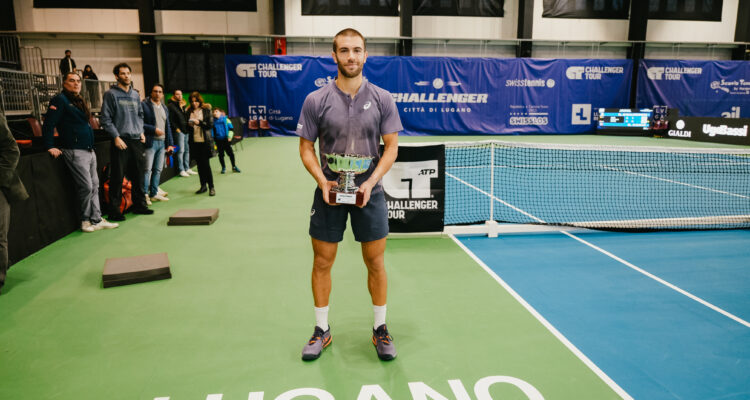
(143, 138)
(120, 144)
(159, 132)
(326, 187)
(366, 189)
(54, 152)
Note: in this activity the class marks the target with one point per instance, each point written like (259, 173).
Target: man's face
(350, 55)
(123, 76)
(178, 95)
(67, 54)
(157, 94)
(72, 83)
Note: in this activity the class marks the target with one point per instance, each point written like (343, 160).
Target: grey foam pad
(127, 270)
(205, 216)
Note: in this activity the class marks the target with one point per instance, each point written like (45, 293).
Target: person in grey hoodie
(122, 119)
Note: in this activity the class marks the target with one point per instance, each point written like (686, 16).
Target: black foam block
(194, 217)
(127, 270)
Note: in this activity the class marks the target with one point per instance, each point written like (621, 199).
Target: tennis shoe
(383, 343)
(319, 341)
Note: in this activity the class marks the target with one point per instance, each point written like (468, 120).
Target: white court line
(677, 182)
(603, 376)
(662, 281)
(642, 271)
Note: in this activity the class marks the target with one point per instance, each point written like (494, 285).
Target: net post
(492, 182)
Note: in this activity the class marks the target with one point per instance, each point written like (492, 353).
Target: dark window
(197, 65)
(596, 9)
(688, 10)
(388, 8)
(207, 5)
(464, 8)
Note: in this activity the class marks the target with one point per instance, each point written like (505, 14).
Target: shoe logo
(367, 105)
(312, 212)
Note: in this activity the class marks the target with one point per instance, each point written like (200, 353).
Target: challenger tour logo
(671, 73)
(264, 70)
(591, 73)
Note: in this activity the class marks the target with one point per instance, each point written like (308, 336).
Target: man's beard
(122, 82)
(347, 74)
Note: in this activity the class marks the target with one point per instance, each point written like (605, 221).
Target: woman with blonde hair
(200, 124)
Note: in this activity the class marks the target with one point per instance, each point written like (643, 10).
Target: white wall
(697, 31)
(217, 22)
(30, 19)
(468, 27)
(102, 55)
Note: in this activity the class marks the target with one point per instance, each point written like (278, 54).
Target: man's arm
(107, 120)
(54, 113)
(9, 154)
(311, 163)
(149, 115)
(390, 153)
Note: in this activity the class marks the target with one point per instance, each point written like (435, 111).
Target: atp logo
(655, 73)
(246, 70)
(410, 180)
(581, 114)
(574, 72)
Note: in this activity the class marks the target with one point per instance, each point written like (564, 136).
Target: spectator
(67, 64)
(200, 124)
(178, 121)
(223, 136)
(158, 132)
(11, 190)
(88, 73)
(122, 119)
(69, 114)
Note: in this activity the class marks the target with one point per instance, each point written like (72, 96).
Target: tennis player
(349, 116)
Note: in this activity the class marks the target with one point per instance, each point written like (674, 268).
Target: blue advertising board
(441, 95)
(696, 88)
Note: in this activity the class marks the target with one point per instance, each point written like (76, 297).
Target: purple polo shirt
(349, 126)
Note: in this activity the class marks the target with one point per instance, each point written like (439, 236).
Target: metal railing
(25, 93)
(9, 51)
(31, 59)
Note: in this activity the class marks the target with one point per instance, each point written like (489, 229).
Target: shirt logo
(367, 105)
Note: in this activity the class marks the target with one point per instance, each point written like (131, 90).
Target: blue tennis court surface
(688, 341)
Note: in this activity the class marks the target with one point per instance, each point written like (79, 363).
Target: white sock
(321, 317)
(379, 315)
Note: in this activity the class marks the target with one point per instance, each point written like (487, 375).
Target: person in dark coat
(11, 190)
(70, 115)
(67, 64)
(200, 125)
(178, 121)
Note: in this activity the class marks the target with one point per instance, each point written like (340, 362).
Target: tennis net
(600, 187)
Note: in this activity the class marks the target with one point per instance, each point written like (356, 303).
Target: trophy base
(341, 198)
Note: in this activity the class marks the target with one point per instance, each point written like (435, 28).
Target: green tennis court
(233, 319)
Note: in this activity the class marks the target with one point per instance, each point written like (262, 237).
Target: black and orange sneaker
(383, 343)
(319, 341)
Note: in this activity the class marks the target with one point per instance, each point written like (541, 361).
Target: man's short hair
(67, 51)
(116, 69)
(159, 85)
(349, 32)
(65, 77)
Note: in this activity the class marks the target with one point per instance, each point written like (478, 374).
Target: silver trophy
(347, 166)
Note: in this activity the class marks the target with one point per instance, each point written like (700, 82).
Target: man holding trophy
(350, 115)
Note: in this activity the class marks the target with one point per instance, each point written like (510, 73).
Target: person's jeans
(154, 165)
(182, 157)
(82, 165)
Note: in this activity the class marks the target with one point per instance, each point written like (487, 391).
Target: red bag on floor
(127, 200)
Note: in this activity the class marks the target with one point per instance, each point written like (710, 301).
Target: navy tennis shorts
(327, 223)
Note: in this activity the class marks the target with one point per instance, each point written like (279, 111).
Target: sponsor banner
(717, 130)
(415, 189)
(441, 95)
(696, 88)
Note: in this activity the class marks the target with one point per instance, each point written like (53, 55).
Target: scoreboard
(625, 119)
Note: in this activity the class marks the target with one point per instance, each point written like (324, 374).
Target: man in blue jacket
(70, 115)
(158, 138)
(122, 119)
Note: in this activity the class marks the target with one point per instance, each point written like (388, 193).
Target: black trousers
(4, 225)
(130, 162)
(201, 153)
(222, 146)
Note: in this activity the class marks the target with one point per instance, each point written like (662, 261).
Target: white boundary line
(676, 182)
(662, 281)
(604, 377)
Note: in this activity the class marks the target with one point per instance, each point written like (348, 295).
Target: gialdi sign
(716, 130)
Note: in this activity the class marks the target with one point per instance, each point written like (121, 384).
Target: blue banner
(696, 88)
(441, 95)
